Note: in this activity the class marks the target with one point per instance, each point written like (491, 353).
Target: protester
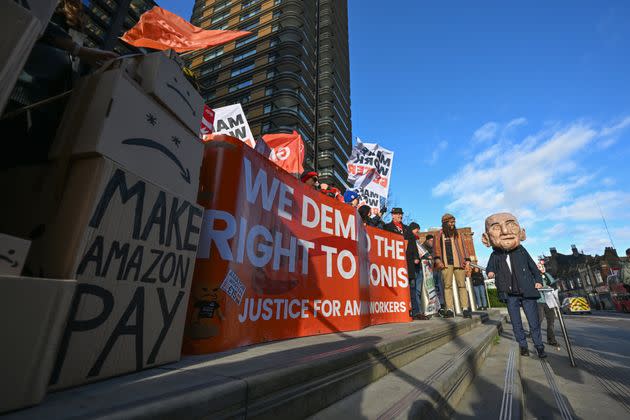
(415, 285)
(331, 191)
(437, 274)
(517, 277)
(351, 197)
(467, 267)
(450, 255)
(413, 258)
(544, 311)
(310, 178)
(479, 287)
(376, 218)
(364, 213)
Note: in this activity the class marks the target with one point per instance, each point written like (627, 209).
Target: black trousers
(544, 312)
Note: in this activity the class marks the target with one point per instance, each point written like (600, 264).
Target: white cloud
(616, 128)
(486, 132)
(542, 179)
(587, 207)
(437, 151)
(515, 123)
(605, 144)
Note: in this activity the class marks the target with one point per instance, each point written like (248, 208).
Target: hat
(414, 225)
(446, 217)
(364, 211)
(397, 210)
(349, 196)
(307, 175)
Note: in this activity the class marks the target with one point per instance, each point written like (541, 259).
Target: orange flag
(287, 151)
(162, 30)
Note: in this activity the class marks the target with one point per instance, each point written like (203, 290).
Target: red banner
(278, 259)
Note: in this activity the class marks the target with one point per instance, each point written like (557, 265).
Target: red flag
(207, 124)
(162, 30)
(287, 151)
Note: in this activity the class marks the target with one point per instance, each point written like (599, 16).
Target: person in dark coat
(376, 218)
(413, 257)
(479, 287)
(516, 277)
(364, 213)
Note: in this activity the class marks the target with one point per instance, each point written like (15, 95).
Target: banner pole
(485, 288)
(563, 326)
(566, 337)
(471, 294)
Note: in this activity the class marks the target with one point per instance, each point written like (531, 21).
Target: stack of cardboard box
(21, 25)
(118, 213)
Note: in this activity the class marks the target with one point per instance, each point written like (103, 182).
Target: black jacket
(477, 278)
(523, 267)
(376, 222)
(412, 249)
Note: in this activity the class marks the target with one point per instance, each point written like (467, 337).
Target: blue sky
(491, 106)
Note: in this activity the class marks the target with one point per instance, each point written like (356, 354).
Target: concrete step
(496, 392)
(283, 379)
(511, 386)
(428, 387)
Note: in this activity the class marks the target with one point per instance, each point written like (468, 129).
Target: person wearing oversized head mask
(516, 276)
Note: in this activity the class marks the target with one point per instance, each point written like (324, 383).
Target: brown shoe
(421, 317)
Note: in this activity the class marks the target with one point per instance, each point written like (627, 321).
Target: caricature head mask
(503, 231)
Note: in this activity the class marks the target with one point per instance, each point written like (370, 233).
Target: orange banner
(162, 30)
(278, 259)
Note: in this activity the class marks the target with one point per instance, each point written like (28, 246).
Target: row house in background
(579, 274)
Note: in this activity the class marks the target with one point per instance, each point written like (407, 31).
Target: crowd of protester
(445, 260)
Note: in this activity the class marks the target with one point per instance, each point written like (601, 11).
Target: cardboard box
(131, 246)
(110, 115)
(13, 252)
(163, 78)
(20, 30)
(41, 9)
(33, 315)
(31, 200)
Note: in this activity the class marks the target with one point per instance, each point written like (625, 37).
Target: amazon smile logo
(152, 144)
(172, 87)
(12, 263)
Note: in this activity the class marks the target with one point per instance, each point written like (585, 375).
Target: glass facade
(296, 70)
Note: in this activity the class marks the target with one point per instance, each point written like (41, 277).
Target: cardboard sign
(33, 313)
(303, 262)
(20, 29)
(162, 77)
(369, 172)
(131, 246)
(430, 299)
(41, 9)
(13, 252)
(110, 115)
(231, 120)
(207, 124)
(551, 297)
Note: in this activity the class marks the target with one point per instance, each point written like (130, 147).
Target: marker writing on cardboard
(158, 254)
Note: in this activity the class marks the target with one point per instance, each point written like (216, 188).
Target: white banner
(369, 172)
(231, 120)
(551, 297)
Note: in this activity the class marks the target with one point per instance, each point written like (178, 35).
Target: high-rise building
(106, 20)
(291, 73)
